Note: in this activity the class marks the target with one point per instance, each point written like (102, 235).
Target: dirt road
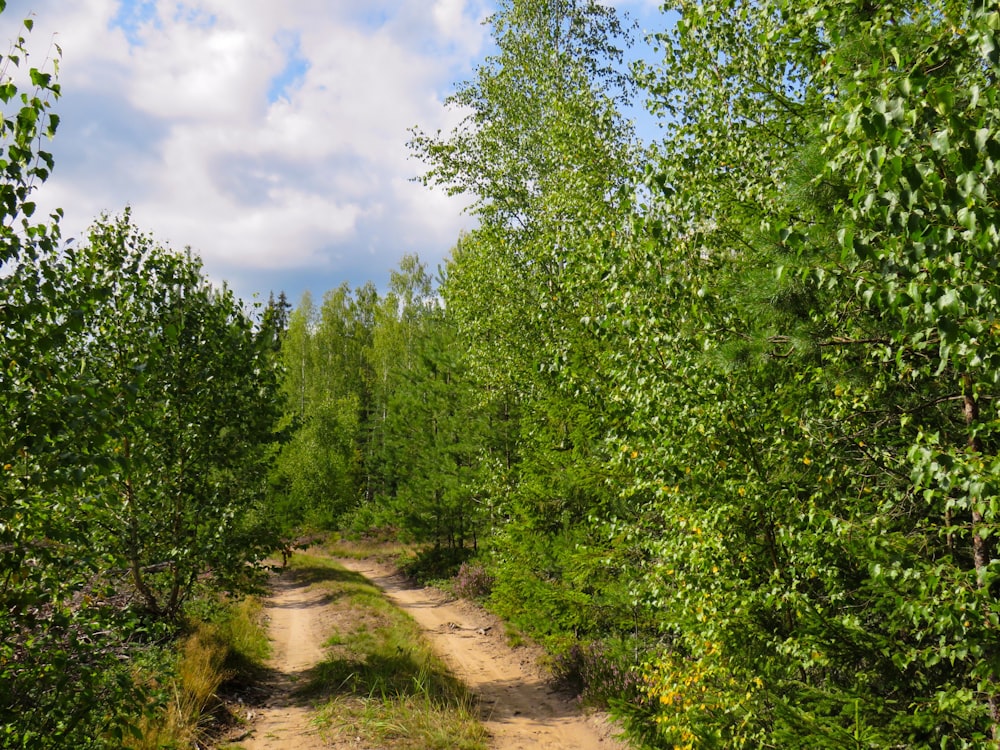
(520, 711)
(297, 623)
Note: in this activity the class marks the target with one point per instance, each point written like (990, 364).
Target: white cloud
(268, 136)
(172, 107)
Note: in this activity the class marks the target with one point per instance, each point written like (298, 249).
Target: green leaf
(981, 139)
(940, 141)
(40, 78)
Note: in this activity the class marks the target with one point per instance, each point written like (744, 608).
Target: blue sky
(268, 137)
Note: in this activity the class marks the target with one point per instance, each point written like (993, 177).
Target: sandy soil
(520, 709)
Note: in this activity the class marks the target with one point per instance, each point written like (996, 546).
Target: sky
(269, 137)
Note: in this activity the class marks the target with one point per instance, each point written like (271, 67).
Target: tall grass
(233, 645)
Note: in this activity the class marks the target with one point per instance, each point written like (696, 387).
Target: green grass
(363, 549)
(380, 681)
(248, 647)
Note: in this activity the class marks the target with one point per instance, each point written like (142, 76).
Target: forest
(713, 419)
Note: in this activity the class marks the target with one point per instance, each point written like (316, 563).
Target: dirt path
(296, 615)
(520, 710)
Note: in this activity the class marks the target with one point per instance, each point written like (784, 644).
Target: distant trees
(381, 418)
(319, 468)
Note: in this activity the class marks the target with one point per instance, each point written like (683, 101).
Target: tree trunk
(135, 563)
(980, 545)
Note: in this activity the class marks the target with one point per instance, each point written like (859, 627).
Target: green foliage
(140, 411)
(727, 405)
(547, 159)
(845, 543)
(192, 421)
(382, 420)
(749, 418)
(62, 632)
(434, 407)
(318, 468)
(318, 474)
(135, 416)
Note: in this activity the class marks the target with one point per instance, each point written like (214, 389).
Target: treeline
(381, 418)
(138, 406)
(717, 415)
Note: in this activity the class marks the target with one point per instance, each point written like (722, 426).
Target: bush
(472, 581)
(599, 675)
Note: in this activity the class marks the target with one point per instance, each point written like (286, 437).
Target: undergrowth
(434, 565)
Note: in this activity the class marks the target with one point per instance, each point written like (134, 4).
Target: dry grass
(363, 549)
(234, 645)
(190, 693)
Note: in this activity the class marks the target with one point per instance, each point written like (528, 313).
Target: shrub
(472, 581)
(598, 675)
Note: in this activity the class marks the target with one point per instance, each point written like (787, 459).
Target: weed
(248, 647)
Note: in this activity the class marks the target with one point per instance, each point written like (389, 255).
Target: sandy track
(296, 614)
(520, 710)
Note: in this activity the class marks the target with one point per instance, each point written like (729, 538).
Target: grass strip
(381, 684)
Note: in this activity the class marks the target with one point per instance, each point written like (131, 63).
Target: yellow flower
(807, 460)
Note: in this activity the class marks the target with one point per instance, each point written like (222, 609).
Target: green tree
(193, 425)
(274, 320)
(324, 469)
(822, 414)
(60, 682)
(549, 163)
(391, 353)
(434, 430)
